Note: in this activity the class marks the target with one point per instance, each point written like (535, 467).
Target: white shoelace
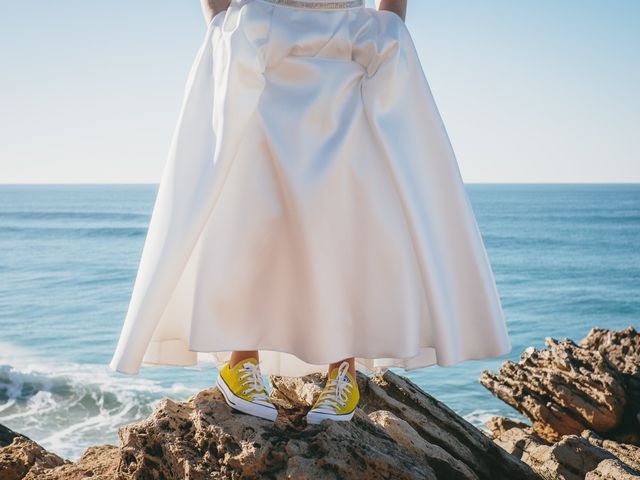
(336, 393)
(252, 377)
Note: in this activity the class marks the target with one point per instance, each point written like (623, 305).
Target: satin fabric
(311, 207)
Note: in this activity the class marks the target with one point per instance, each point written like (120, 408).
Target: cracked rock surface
(398, 432)
(582, 398)
(583, 402)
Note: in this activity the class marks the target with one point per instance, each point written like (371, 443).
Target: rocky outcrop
(22, 458)
(622, 348)
(574, 457)
(582, 400)
(567, 388)
(398, 432)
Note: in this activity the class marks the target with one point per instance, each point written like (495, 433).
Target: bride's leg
(241, 355)
(352, 366)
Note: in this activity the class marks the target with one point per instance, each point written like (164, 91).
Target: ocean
(566, 258)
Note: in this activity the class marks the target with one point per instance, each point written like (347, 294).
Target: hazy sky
(530, 90)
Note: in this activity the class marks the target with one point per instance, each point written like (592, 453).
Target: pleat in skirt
(311, 206)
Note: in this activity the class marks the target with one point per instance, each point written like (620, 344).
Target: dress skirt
(311, 206)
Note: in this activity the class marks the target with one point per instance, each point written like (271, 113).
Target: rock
(622, 348)
(397, 432)
(582, 400)
(566, 388)
(572, 458)
(458, 446)
(516, 438)
(583, 403)
(21, 457)
(96, 462)
(629, 454)
(402, 432)
(611, 470)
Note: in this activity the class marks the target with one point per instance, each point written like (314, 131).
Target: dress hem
(190, 359)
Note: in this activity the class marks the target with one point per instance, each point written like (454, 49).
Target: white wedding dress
(311, 206)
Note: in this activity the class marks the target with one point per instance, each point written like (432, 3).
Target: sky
(529, 90)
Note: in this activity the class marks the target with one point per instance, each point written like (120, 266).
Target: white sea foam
(479, 417)
(67, 407)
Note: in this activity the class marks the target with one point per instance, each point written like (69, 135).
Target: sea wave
(67, 406)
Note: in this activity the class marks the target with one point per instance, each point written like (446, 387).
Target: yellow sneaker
(243, 390)
(338, 399)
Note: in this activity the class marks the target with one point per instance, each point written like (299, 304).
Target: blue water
(566, 258)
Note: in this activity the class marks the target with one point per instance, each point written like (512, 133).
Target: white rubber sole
(317, 417)
(242, 405)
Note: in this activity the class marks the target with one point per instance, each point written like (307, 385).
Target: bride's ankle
(352, 368)
(238, 356)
